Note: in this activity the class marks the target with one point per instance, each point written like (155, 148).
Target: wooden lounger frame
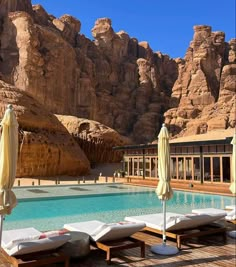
(232, 221)
(40, 258)
(125, 243)
(181, 235)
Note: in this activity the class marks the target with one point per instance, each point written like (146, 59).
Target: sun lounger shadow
(110, 237)
(181, 227)
(26, 247)
(229, 216)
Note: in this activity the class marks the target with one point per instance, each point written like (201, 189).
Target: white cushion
(88, 227)
(231, 215)
(117, 230)
(100, 231)
(26, 240)
(38, 245)
(210, 211)
(155, 220)
(10, 238)
(230, 207)
(175, 221)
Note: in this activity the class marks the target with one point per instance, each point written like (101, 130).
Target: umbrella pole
(164, 223)
(1, 225)
(164, 249)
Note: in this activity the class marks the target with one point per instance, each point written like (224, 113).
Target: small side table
(78, 246)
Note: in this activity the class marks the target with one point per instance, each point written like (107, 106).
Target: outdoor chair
(110, 237)
(229, 215)
(179, 226)
(30, 247)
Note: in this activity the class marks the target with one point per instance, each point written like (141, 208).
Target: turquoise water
(53, 213)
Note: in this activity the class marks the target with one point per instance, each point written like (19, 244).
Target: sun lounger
(30, 247)
(110, 237)
(179, 226)
(230, 207)
(229, 215)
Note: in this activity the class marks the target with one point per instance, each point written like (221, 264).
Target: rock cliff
(95, 139)
(203, 96)
(45, 146)
(114, 82)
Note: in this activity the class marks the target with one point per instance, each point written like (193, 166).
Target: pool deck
(206, 251)
(221, 189)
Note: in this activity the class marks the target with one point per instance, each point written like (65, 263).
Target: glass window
(181, 168)
(126, 166)
(188, 166)
(140, 172)
(153, 167)
(135, 166)
(220, 148)
(173, 168)
(212, 148)
(206, 169)
(228, 148)
(196, 169)
(216, 169)
(190, 149)
(130, 166)
(226, 169)
(196, 149)
(147, 167)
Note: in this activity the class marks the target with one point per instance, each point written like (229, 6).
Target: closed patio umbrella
(163, 190)
(233, 166)
(8, 162)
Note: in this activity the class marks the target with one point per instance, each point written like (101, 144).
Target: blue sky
(167, 25)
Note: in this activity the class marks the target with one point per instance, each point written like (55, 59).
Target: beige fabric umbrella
(233, 166)
(163, 190)
(8, 160)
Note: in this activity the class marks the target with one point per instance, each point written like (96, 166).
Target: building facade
(200, 161)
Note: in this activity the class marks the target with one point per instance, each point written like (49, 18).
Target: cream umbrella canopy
(164, 191)
(233, 166)
(8, 162)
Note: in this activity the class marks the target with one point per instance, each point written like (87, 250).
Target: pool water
(53, 213)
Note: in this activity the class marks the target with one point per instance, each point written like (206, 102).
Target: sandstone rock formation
(7, 6)
(203, 96)
(45, 148)
(96, 139)
(114, 80)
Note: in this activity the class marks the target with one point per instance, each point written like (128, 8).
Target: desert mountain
(115, 82)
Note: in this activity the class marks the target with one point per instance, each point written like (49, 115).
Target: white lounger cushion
(11, 238)
(99, 231)
(229, 215)
(230, 207)
(25, 243)
(210, 211)
(174, 221)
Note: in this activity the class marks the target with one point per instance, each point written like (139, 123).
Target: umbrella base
(232, 233)
(164, 249)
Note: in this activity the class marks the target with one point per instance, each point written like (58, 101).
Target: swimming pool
(113, 204)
